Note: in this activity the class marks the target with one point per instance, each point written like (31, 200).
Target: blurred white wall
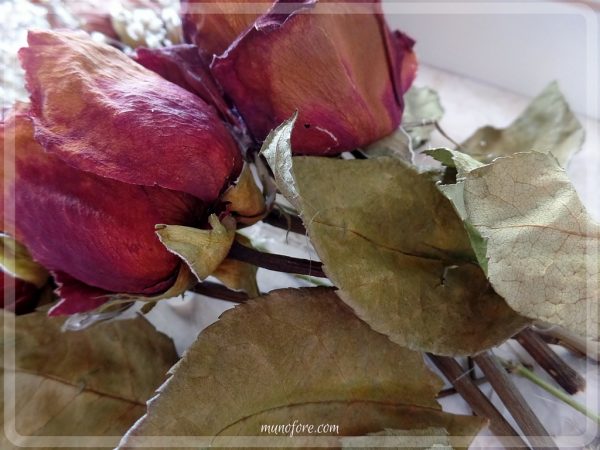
(520, 46)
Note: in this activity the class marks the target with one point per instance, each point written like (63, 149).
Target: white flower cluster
(20, 16)
(149, 23)
(152, 27)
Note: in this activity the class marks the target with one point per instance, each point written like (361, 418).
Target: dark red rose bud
(344, 72)
(97, 234)
(101, 112)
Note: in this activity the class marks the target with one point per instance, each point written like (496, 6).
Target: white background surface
(518, 45)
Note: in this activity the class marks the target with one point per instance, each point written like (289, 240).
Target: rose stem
(288, 222)
(530, 425)
(570, 340)
(521, 370)
(565, 376)
(482, 406)
(277, 263)
(471, 370)
(452, 390)
(220, 292)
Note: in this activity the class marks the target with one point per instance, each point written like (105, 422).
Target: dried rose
(95, 234)
(107, 150)
(101, 112)
(344, 72)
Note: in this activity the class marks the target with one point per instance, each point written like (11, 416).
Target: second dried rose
(337, 64)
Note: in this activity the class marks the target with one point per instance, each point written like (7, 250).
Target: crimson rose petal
(182, 65)
(101, 112)
(214, 24)
(97, 230)
(76, 297)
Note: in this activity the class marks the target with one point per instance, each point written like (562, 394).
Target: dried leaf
(16, 260)
(276, 150)
(245, 199)
(401, 255)
(93, 382)
(463, 164)
(250, 369)
(460, 161)
(202, 250)
(542, 246)
(547, 125)
(398, 251)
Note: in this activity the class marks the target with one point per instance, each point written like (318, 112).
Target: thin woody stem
(478, 402)
(530, 425)
(540, 351)
(285, 221)
(220, 292)
(278, 263)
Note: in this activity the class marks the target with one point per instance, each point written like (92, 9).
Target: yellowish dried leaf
(202, 250)
(295, 354)
(16, 260)
(93, 382)
(542, 246)
(245, 199)
(547, 126)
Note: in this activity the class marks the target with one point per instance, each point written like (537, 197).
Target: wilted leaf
(245, 199)
(275, 149)
(295, 354)
(400, 255)
(460, 161)
(16, 260)
(463, 164)
(86, 383)
(547, 125)
(542, 246)
(202, 250)
(398, 251)
(427, 438)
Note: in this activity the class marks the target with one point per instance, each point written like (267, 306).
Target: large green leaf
(400, 255)
(398, 251)
(93, 382)
(542, 246)
(293, 355)
(547, 126)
